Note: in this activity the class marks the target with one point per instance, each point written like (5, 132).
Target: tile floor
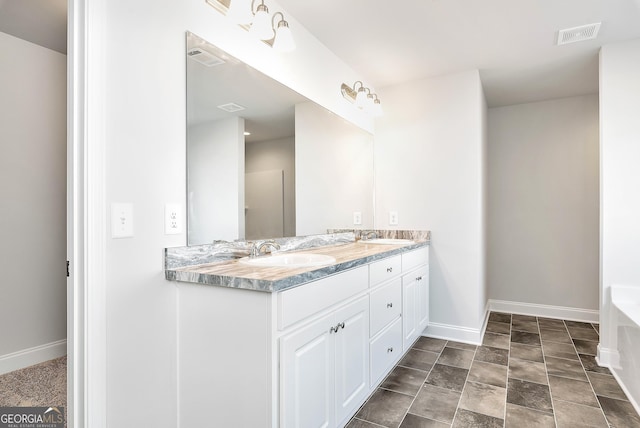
(529, 372)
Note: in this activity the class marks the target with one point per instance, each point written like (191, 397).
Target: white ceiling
(511, 42)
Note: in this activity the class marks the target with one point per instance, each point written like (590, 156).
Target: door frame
(86, 212)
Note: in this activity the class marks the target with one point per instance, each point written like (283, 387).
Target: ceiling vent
(231, 107)
(578, 34)
(204, 57)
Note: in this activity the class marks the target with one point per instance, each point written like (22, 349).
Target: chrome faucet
(257, 248)
(369, 235)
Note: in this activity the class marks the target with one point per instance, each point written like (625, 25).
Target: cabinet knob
(389, 305)
(390, 269)
(419, 278)
(332, 330)
(390, 349)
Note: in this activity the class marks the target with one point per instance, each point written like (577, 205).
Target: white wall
(334, 172)
(33, 194)
(619, 180)
(429, 168)
(543, 204)
(136, 75)
(216, 181)
(277, 154)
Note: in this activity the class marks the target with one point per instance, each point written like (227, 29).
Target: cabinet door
(307, 367)
(423, 299)
(352, 357)
(409, 311)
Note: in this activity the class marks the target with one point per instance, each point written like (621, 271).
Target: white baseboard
(28, 357)
(547, 311)
(454, 332)
(608, 357)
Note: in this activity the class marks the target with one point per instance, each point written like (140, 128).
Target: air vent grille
(204, 57)
(231, 107)
(578, 34)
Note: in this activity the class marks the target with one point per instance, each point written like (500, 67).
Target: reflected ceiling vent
(204, 57)
(231, 107)
(578, 34)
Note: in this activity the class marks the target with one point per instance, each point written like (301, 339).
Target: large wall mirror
(264, 161)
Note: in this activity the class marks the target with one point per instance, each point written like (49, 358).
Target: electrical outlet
(393, 218)
(357, 217)
(121, 220)
(172, 219)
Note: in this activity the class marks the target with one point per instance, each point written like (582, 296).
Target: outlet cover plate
(173, 219)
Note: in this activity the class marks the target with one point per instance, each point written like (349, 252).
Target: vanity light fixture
(362, 97)
(258, 21)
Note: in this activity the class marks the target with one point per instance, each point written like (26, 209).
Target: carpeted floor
(42, 385)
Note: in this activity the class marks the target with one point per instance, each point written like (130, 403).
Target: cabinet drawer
(386, 303)
(386, 349)
(307, 299)
(385, 269)
(415, 258)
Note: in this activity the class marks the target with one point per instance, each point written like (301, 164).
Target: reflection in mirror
(264, 161)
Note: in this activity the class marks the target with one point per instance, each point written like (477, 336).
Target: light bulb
(284, 38)
(261, 27)
(240, 12)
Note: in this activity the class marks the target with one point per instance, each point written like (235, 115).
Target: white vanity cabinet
(307, 356)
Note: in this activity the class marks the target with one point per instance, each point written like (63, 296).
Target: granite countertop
(233, 274)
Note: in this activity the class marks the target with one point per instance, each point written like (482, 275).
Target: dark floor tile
(591, 365)
(559, 350)
(586, 347)
(468, 419)
(574, 391)
(436, 403)
(414, 421)
(584, 333)
(577, 324)
(460, 345)
(484, 399)
(491, 374)
(488, 354)
(456, 357)
(359, 423)
(447, 377)
(565, 368)
(560, 336)
(606, 386)
(527, 370)
(500, 317)
(517, 317)
(498, 327)
(571, 415)
(526, 352)
(496, 340)
(525, 338)
(528, 394)
(523, 417)
(551, 324)
(421, 360)
(405, 380)
(530, 326)
(619, 413)
(429, 344)
(385, 408)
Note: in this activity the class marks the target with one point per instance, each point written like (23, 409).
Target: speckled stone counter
(197, 265)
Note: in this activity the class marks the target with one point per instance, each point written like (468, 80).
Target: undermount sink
(293, 260)
(387, 241)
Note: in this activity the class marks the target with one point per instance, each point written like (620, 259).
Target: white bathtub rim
(626, 298)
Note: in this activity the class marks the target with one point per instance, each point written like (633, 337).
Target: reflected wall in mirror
(264, 161)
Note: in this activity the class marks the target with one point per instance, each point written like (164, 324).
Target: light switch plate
(121, 220)
(172, 219)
